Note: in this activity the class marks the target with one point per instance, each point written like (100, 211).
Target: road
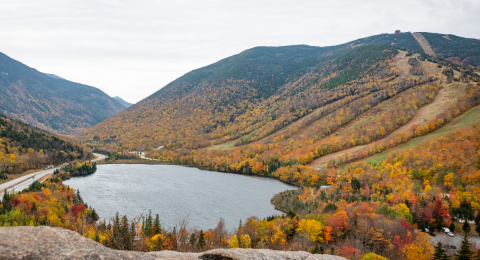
(23, 182)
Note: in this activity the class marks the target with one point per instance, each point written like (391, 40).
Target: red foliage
(405, 224)
(44, 211)
(350, 252)
(77, 209)
(15, 202)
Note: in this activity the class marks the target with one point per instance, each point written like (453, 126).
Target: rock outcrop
(57, 243)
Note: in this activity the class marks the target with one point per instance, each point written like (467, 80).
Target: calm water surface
(177, 191)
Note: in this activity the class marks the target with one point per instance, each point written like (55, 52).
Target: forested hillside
(262, 90)
(309, 116)
(53, 104)
(23, 147)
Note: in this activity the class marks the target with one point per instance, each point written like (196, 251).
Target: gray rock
(57, 243)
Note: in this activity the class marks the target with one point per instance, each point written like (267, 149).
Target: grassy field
(469, 118)
(226, 145)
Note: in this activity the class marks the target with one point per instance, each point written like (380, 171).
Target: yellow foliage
(153, 243)
(420, 249)
(245, 241)
(313, 228)
(233, 242)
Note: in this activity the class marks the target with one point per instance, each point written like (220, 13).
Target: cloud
(133, 48)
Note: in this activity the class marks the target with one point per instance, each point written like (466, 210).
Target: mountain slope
(23, 147)
(55, 105)
(123, 102)
(254, 94)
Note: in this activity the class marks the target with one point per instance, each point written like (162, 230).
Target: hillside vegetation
(310, 116)
(53, 104)
(23, 148)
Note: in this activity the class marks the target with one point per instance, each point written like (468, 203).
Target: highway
(23, 182)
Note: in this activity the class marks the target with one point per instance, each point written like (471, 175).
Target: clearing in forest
(470, 117)
(445, 97)
(424, 44)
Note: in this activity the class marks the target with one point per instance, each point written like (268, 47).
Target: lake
(176, 191)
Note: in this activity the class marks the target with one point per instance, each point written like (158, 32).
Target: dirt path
(424, 44)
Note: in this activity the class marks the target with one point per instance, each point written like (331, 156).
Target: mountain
(53, 76)
(123, 102)
(249, 94)
(56, 105)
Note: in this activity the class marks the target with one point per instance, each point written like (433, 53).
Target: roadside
(24, 182)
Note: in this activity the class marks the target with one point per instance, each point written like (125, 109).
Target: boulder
(57, 243)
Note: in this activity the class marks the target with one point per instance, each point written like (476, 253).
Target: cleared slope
(445, 97)
(424, 43)
(470, 117)
(55, 105)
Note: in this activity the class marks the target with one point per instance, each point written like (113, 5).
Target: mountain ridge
(123, 102)
(56, 105)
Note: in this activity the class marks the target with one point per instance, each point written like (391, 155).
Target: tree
(373, 256)
(466, 227)
(440, 252)
(201, 239)
(233, 242)
(192, 240)
(158, 227)
(464, 253)
(420, 248)
(452, 227)
(245, 240)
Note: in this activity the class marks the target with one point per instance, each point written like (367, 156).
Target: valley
(358, 144)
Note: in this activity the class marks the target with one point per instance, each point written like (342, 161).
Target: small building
(397, 32)
(324, 187)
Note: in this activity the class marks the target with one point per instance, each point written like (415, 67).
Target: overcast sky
(134, 48)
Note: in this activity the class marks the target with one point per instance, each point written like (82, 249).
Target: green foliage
(351, 64)
(440, 252)
(464, 252)
(330, 207)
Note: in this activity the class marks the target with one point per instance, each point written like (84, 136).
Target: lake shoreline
(204, 168)
(175, 190)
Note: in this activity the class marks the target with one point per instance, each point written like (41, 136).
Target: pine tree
(466, 227)
(94, 215)
(464, 253)
(201, 239)
(452, 227)
(440, 252)
(192, 240)
(158, 227)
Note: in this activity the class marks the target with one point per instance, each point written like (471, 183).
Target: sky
(132, 49)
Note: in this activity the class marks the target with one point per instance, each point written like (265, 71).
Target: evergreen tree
(34, 207)
(452, 227)
(192, 240)
(466, 227)
(158, 227)
(94, 215)
(440, 252)
(148, 224)
(201, 239)
(464, 253)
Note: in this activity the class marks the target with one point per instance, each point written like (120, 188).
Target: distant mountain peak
(123, 102)
(53, 76)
